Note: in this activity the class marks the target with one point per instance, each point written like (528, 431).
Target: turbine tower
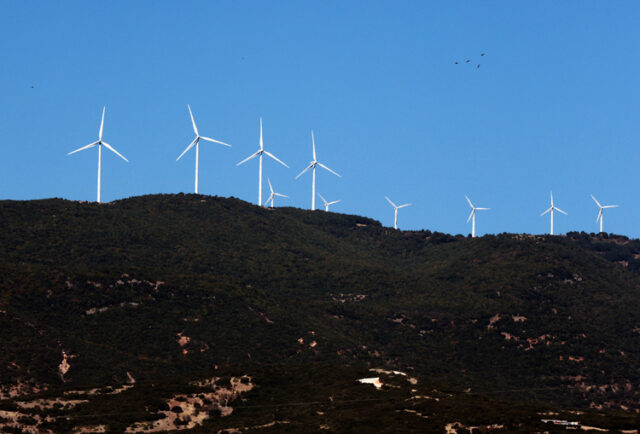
(395, 211)
(600, 213)
(552, 209)
(259, 153)
(196, 143)
(326, 204)
(472, 216)
(312, 165)
(100, 143)
(273, 194)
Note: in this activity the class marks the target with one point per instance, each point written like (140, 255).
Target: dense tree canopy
(168, 289)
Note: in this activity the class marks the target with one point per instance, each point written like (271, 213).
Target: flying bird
(454, 62)
(482, 54)
(468, 60)
(478, 65)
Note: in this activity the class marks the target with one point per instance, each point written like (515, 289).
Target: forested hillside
(189, 311)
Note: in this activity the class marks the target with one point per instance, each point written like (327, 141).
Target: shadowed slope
(168, 288)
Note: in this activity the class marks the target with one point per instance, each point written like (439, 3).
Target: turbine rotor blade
(255, 154)
(102, 123)
(313, 141)
(109, 147)
(596, 201)
(468, 200)
(280, 194)
(270, 187)
(195, 129)
(188, 147)
(335, 201)
(599, 215)
(389, 200)
(483, 209)
(610, 206)
(261, 142)
(275, 158)
(208, 139)
(471, 215)
(546, 211)
(559, 210)
(551, 198)
(408, 204)
(90, 145)
(307, 168)
(323, 199)
(325, 167)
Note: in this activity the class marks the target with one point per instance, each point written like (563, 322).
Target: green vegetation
(169, 289)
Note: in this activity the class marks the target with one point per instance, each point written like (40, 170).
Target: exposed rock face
(187, 411)
(64, 365)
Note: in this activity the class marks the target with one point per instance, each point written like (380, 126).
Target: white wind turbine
(100, 144)
(395, 211)
(273, 194)
(312, 165)
(326, 204)
(552, 209)
(259, 153)
(472, 216)
(196, 143)
(600, 213)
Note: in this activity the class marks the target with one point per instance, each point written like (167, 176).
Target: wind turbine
(259, 153)
(472, 216)
(600, 213)
(552, 209)
(395, 211)
(326, 204)
(312, 165)
(196, 143)
(100, 144)
(273, 194)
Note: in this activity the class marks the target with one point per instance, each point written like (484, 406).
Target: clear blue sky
(554, 105)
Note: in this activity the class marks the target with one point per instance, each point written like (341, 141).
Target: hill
(188, 311)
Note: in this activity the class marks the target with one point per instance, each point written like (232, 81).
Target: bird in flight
(478, 65)
(456, 63)
(468, 60)
(482, 54)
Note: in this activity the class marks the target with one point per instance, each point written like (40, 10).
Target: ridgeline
(207, 313)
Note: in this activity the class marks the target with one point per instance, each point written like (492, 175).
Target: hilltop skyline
(552, 107)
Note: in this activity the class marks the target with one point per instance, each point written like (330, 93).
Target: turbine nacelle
(312, 166)
(551, 210)
(473, 215)
(273, 194)
(327, 204)
(198, 136)
(100, 143)
(196, 142)
(259, 153)
(601, 209)
(395, 211)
